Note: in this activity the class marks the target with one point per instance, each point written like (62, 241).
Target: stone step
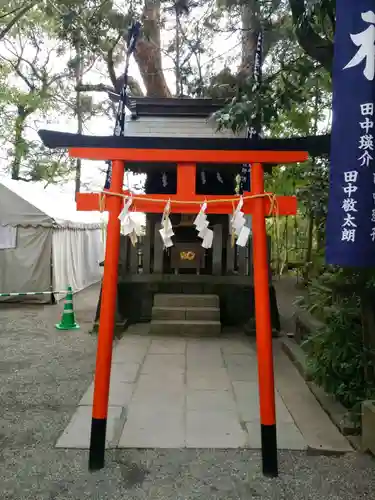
(185, 328)
(184, 300)
(186, 313)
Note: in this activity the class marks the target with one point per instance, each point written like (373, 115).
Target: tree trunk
(178, 58)
(19, 142)
(308, 256)
(320, 237)
(286, 241)
(318, 48)
(148, 52)
(250, 18)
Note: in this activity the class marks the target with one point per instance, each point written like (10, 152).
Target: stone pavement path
(43, 375)
(200, 393)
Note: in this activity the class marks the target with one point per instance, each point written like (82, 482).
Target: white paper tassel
(201, 225)
(166, 231)
(243, 236)
(208, 239)
(239, 227)
(201, 216)
(128, 226)
(125, 210)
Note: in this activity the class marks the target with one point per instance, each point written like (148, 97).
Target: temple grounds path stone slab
(247, 400)
(150, 427)
(214, 429)
(130, 353)
(288, 436)
(120, 394)
(238, 346)
(124, 372)
(164, 363)
(203, 355)
(164, 396)
(210, 401)
(208, 378)
(167, 346)
(163, 381)
(241, 367)
(169, 392)
(317, 429)
(77, 433)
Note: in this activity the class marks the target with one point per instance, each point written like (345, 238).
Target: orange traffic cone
(68, 321)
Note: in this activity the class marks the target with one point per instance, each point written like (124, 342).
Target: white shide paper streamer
(166, 231)
(128, 226)
(201, 225)
(239, 227)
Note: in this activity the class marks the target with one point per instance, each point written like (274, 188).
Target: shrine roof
(174, 107)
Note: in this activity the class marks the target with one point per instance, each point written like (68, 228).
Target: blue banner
(350, 240)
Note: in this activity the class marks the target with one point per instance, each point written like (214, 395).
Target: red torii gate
(257, 203)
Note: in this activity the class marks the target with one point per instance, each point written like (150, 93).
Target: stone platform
(200, 393)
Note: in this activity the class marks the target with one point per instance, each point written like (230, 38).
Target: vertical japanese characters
(366, 140)
(350, 188)
(366, 144)
(349, 226)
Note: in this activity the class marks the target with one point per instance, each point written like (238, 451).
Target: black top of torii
(314, 145)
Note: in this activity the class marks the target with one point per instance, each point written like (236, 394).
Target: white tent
(45, 243)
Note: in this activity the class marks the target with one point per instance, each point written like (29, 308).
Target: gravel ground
(44, 373)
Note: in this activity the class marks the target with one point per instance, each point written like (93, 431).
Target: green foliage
(313, 190)
(291, 81)
(94, 24)
(30, 89)
(285, 100)
(33, 88)
(49, 167)
(338, 358)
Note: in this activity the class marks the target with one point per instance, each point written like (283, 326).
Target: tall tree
(33, 89)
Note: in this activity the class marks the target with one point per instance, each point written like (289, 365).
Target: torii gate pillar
(263, 328)
(106, 321)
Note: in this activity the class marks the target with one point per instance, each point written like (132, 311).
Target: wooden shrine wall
(147, 257)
